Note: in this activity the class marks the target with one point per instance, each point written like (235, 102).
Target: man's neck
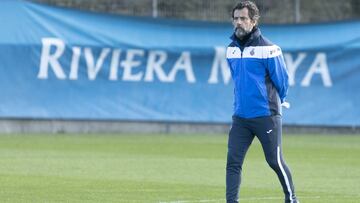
(242, 41)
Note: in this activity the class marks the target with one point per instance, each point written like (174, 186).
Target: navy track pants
(268, 131)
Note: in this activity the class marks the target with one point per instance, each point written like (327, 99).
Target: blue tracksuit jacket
(259, 74)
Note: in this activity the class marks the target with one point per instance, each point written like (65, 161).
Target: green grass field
(170, 168)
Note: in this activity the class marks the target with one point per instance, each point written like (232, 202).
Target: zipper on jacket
(241, 91)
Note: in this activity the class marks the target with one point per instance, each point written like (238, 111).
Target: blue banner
(61, 63)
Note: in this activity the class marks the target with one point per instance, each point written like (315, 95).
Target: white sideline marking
(188, 201)
(248, 198)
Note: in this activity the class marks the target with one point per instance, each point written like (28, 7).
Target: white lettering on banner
(92, 67)
(219, 62)
(52, 60)
(183, 63)
(293, 65)
(53, 49)
(74, 67)
(318, 66)
(114, 64)
(130, 63)
(154, 65)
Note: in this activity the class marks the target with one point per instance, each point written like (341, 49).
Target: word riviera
(53, 52)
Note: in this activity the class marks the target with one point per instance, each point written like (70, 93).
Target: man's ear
(233, 22)
(253, 22)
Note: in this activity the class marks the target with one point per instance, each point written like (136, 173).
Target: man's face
(242, 22)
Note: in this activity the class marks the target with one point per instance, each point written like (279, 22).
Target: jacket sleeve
(277, 71)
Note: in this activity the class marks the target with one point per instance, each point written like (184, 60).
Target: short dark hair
(252, 8)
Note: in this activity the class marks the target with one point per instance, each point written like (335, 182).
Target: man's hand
(286, 105)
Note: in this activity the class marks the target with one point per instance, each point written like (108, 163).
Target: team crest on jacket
(252, 52)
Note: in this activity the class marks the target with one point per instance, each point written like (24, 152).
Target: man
(261, 83)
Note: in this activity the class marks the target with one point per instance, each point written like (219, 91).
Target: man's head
(245, 16)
